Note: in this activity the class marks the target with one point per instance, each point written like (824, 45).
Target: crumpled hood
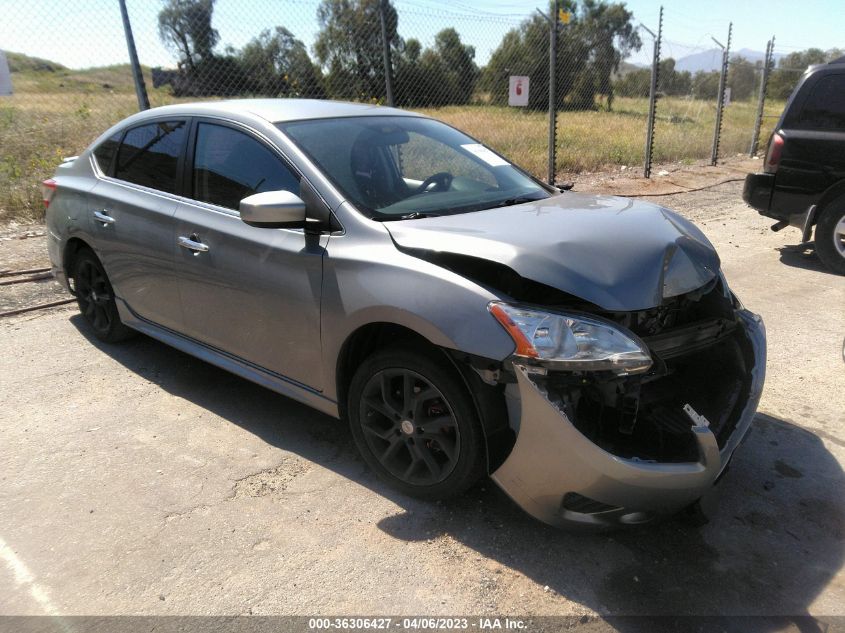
(618, 253)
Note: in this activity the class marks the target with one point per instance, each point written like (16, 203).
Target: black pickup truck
(803, 179)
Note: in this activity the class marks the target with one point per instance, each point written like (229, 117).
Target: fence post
(553, 95)
(388, 69)
(761, 101)
(137, 75)
(652, 95)
(720, 104)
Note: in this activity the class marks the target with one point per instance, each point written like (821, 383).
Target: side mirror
(273, 210)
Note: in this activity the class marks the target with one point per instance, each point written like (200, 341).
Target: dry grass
(38, 129)
(597, 140)
(53, 115)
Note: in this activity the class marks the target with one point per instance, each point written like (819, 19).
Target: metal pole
(388, 79)
(553, 95)
(720, 104)
(761, 101)
(652, 96)
(137, 75)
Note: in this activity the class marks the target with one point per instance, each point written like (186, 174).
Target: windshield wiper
(414, 215)
(509, 202)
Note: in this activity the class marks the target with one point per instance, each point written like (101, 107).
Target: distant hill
(33, 74)
(712, 59)
(18, 63)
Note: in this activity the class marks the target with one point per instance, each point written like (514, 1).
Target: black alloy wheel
(415, 423)
(409, 426)
(95, 298)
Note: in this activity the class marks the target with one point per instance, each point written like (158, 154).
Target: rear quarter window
(824, 108)
(104, 154)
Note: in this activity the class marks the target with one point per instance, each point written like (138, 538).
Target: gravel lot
(137, 480)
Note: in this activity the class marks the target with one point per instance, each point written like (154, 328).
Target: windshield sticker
(485, 154)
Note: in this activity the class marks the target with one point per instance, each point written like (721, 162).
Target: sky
(83, 33)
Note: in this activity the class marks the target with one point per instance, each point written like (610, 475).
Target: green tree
(705, 84)
(673, 82)
(637, 83)
(406, 70)
(790, 68)
(590, 49)
(278, 64)
(185, 27)
(634, 83)
(349, 47)
(458, 63)
(743, 78)
(442, 75)
(524, 51)
(610, 36)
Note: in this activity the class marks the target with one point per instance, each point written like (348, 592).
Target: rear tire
(95, 298)
(830, 237)
(415, 424)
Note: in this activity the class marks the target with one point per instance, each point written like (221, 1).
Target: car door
(132, 209)
(251, 292)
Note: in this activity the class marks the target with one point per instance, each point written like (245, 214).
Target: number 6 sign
(518, 91)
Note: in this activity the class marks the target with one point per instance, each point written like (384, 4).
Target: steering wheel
(442, 181)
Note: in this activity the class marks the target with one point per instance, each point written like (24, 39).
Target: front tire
(830, 237)
(415, 424)
(95, 298)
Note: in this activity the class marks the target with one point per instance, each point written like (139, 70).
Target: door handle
(192, 244)
(103, 217)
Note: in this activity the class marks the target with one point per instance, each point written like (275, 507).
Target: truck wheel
(415, 424)
(830, 237)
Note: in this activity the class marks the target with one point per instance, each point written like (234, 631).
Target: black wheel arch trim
(489, 401)
(70, 250)
(832, 194)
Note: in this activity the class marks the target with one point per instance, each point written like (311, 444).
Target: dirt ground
(138, 480)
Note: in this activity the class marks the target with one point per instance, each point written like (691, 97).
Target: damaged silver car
(385, 268)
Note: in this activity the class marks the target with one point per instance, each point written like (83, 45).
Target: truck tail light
(48, 188)
(773, 155)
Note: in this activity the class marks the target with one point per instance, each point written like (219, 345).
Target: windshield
(397, 167)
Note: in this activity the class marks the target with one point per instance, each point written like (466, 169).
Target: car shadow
(775, 543)
(803, 256)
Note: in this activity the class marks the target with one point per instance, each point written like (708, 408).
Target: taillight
(48, 188)
(773, 155)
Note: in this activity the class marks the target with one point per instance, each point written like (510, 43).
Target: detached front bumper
(559, 476)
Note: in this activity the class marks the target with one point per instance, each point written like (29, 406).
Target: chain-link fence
(486, 72)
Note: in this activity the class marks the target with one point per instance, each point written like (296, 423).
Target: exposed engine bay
(701, 360)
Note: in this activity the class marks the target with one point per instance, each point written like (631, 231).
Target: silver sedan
(387, 269)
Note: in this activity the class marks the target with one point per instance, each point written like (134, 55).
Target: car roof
(281, 110)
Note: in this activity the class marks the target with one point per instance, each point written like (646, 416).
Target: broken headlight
(573, 342)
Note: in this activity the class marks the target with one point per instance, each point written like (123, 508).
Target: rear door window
(825, 106)
(149, 155)
(230, 165)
